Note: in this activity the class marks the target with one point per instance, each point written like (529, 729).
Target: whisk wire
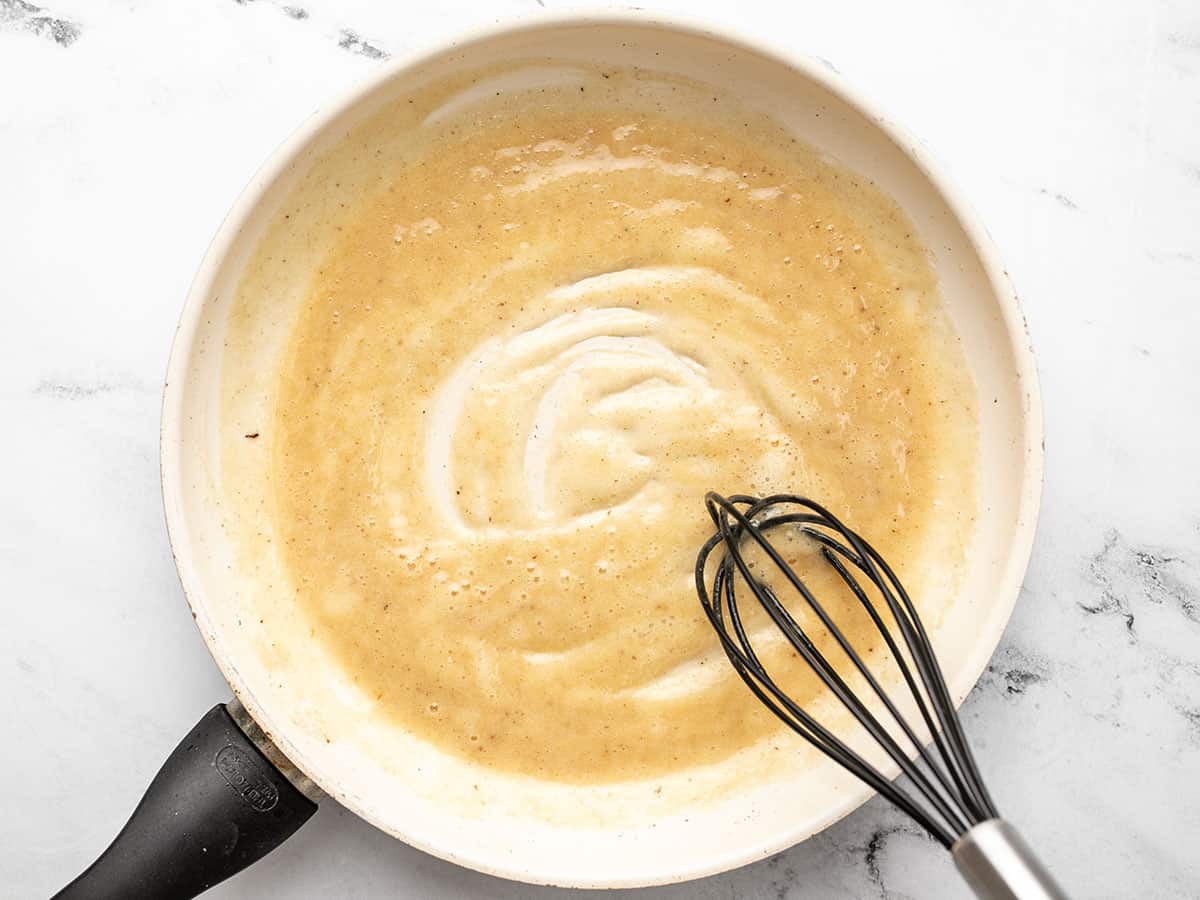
(828, 550)
(950, 796)
(829, 675)
(935, 683)
(953, 769)
(941, 765)
(745, 662)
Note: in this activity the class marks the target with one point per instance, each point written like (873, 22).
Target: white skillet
(291, 710)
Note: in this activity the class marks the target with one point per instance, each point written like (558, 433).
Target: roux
(567, 313)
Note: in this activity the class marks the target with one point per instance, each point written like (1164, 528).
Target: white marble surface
(127, 127)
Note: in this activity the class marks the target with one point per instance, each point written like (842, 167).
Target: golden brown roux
(563, 320)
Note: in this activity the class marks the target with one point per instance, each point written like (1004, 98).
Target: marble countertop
(128, 126)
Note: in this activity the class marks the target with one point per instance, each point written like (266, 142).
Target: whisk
(944, 792)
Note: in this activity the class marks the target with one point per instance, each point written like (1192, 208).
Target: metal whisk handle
(999, 865)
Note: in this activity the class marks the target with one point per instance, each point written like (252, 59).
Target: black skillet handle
(215, 806)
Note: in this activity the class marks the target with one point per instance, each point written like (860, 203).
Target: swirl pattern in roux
(564, 317)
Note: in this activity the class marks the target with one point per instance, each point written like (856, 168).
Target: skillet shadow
(337, 854)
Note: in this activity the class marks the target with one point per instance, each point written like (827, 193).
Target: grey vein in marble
(292, 12)
(1171, 257)
(1184, 41)
(1162, 585)
(87, 388)
(1061, 198)
(348, 39)
(1129, 573)
(1015, 670)
(23, 16)
(351, 41)
(877, 846)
